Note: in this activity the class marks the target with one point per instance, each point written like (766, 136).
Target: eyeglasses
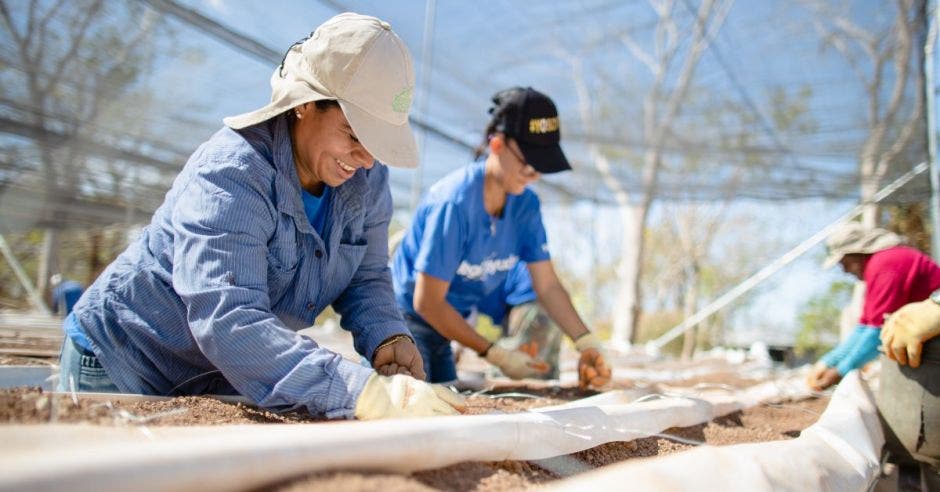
(527, 170)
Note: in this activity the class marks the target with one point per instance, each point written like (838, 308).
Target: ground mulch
(509, 398)
(34, 406)
(759, 424)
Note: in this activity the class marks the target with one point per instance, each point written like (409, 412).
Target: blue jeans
(83, 369)
(435, 350)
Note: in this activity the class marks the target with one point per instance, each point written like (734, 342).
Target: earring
(297, 113)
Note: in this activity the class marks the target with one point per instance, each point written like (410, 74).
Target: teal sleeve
(835, 356)
(864, 350)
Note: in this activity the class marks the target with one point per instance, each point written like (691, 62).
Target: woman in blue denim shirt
(280, 214)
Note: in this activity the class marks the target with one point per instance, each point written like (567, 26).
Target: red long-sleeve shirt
(894, 277)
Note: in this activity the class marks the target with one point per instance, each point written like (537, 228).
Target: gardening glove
(593, 370)
(828, 377)
(814, 374)
(402, 396)
(515, 363)
(398, 355)
(905, 332)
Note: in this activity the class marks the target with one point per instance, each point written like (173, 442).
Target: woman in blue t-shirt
(472, 228)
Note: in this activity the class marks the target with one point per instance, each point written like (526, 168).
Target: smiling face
(512, 173)
(326, 150)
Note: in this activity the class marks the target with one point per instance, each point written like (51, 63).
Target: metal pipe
(929, 50)
(424, 89)
(34, 295)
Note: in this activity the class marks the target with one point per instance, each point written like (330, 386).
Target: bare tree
(885, 60)
(696, 230)
(69, 64)
(672, 62)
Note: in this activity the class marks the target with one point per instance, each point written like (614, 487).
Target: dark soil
(33, 406)
(758, 424)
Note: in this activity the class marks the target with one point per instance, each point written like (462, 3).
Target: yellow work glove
(592, 368)
(905, 332)
(403, 396)
(515, 363)
(814, 376)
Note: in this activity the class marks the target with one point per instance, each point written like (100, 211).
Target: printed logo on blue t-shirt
(487, 268)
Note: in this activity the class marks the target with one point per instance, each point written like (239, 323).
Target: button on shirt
(210, 296)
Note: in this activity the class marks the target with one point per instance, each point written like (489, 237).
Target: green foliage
(653, 324)
(820, 316)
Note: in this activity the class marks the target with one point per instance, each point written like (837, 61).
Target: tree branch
(78, 37)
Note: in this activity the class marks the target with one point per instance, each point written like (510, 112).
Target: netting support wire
(34, 295)
(929, 51)
(423, 93)
(776, 265)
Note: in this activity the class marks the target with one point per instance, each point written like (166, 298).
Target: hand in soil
(399, 357)
(592, 369)
(823, 378)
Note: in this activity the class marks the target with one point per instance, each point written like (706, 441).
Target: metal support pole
(34, 295)
(427, 53)
(929, 52)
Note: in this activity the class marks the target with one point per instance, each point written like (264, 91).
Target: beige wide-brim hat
(360, 62)
(854, 238)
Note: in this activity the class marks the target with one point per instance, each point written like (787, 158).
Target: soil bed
(759, 424)
(33, 406)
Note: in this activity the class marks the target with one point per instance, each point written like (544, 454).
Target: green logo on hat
(402, 101)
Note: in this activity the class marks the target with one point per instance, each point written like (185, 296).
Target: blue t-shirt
(453, 238)
(515, 290)
(316, 208)
(74, 331)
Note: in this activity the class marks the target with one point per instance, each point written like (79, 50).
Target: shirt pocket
(283, 257)
(346, 261)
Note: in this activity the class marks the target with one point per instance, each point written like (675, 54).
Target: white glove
(587, 341)
(514, 363)
(593, 370)
(404, 396)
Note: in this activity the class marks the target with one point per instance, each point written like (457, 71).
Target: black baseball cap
(530, 118)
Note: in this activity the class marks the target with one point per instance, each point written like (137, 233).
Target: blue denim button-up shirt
(209, 298)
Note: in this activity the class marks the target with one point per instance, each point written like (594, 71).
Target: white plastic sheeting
(60, 457)
(839, 452)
